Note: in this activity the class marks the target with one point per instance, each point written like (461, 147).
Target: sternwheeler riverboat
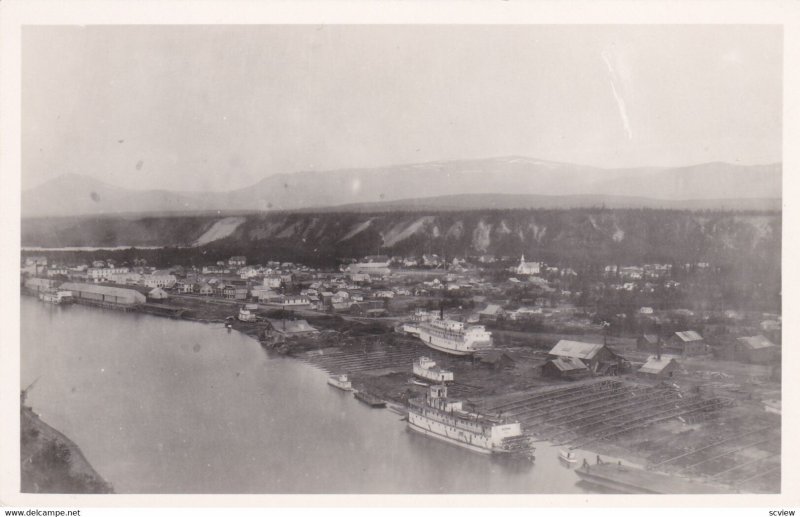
(56, 297)
(454, 337)
(442, 418)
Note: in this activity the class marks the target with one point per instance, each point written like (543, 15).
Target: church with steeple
(528, 268)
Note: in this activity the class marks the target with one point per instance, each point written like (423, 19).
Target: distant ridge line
(515, 182)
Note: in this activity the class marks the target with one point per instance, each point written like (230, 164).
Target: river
(167, 406)
(91, 248)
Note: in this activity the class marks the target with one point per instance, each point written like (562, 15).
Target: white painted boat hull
(447, 439)
(341, 386)
(445, 349)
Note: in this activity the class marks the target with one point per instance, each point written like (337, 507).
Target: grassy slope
(52, 463)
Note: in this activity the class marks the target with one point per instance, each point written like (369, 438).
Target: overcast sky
(196, 108)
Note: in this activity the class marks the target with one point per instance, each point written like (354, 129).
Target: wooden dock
(370, 400)
(630, 480)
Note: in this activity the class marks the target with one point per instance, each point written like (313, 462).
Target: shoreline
(50, 462)
(375, 384)
(607, 451)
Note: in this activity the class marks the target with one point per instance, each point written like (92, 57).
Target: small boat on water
(567, 456)
(370, 400)
(341, 382)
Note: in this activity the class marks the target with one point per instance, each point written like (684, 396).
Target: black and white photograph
(400, 258)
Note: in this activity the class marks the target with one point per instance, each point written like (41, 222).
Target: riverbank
(165, 406)
(52, 463)
(378, 361)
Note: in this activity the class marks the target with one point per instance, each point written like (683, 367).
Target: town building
(262, 293)
(246, 315)
(129, 278)
(362, 278)
(234, 292)
(273, 281)
(295, 301)
(237, 261)
(185, 287)
(632, 272)
(432, 260)
(659, 367)
(57, 271)
(373, 265)
(528, 268)
(161, 279)
(496, 359)
(104, 274)
(757, 349)
(36, 260)
(38, 285)
(685, 343)
(157, 294)
(524, 313)
(567, 368)
(248, 272)
(103, 294)
(597, 356)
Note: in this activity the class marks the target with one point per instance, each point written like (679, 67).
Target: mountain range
(506, 182)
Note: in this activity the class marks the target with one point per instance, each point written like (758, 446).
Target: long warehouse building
(40, 284)
(103, 293)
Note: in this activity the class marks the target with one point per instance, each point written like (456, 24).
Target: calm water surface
(166, 406)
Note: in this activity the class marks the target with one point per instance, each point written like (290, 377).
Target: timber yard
(684, 400)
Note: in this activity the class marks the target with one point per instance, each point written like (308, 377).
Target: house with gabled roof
(757, 349)
(157, 294)
(685, 343)
(565, 368)
(496, 359)
(597, 356)
(185, 287)
(659, 367)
